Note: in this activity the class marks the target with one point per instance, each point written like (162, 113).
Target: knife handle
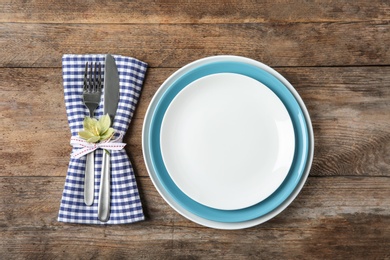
(104, 192)
(89, 179)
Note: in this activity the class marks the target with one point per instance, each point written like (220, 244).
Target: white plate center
(227, 141)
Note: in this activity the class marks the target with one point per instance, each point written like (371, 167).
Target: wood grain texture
(321, 223)
(335, 53)
(197, 11)
(174, 45)
(349, 108)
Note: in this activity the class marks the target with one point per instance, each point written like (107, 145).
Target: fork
(92, 91)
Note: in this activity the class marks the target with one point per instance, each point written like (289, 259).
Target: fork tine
(91, 78)
(86, 77)
(93, 86)
(97, 75)
(99, 80)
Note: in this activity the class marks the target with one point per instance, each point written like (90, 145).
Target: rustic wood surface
(335, 53)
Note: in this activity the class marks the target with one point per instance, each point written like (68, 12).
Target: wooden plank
(333, 217)
(198, 11)
(336, 55)
(42, 195)
(160, 45)
(349, 109)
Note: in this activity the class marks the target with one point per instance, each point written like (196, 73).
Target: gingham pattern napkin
(125, 201)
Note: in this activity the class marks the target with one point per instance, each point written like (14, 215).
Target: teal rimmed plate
(300, 156)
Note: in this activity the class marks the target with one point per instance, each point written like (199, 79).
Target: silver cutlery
(92, 92)
(111, 99)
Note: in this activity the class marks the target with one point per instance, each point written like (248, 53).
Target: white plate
(149, 165)
(227, 141)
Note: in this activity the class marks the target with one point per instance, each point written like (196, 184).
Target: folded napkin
(125, 201)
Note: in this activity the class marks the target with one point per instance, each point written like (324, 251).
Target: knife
(110, 105)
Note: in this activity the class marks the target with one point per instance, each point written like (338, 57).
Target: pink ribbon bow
(85, 147)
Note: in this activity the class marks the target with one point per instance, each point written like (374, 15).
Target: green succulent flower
(97, 130)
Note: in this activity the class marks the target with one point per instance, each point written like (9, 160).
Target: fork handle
(104, 192)
(89, 179)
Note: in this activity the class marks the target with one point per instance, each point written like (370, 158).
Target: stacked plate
(228, 142)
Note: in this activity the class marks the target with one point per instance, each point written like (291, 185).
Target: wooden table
(335, 53)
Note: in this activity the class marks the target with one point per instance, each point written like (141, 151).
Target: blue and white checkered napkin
(125, 201)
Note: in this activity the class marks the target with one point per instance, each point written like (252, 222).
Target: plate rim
(189, 215)
(262, 207)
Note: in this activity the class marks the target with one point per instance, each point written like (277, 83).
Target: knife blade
(110, 105)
